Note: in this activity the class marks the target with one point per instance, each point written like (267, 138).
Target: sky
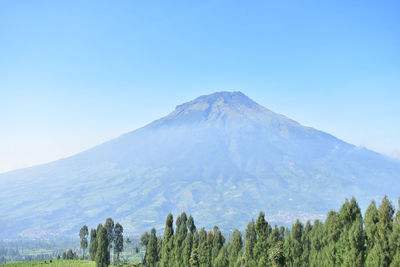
(74, 74)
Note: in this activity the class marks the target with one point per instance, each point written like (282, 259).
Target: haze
(72, 78)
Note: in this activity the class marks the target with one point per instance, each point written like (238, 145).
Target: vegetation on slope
(346, 238)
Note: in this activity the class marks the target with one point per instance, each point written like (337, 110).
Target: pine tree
(349, 214)
(306, 242)
(287, 244)
(276, 255)
(374, 257)
(331, 234)
(93, 244)
(151, 249)
(251, 239)
(118, 241)
(109, 226)
(83, 235)
(144, 241)
(203, 250)
(395, 240)
(194, 258)
(167, 245)
(218, 242)
(355, 253)
(384, 231)
(181, 231)
(159, 250)
(261, 246)
(235, 247)
(190, 224)
(103, 253)
(222, 259)
(187, 249)
(297, 248)
(371, 221)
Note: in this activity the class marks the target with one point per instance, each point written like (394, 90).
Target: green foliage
(384, 231)
(194, 258)
(118, 240)
(83, 235)
(276, 255)
(103, 253)
(109, 226)
(218, 242)
(181, 231)
(261, 246)
(235, 248)
(222, 259)
(343, 240)
(371, 221)
(251, 239)
(151, 250)
(167, 245)
(53, 263)
(93, 244)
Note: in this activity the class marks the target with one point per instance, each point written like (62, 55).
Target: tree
(194, 258)
(349, 215)
(83, 235)
(187, 248)
(151, 249)
(261, 246)
(235, 247)
(287, 244)
(204, 253)
(109, 226)
(384, 230)
(329, 238)
(167, 245)
(251, 239)
(103, 252)
(371, 221)
(296, 246)
(395, 240)
(144, 240)
(354, 255)
(181, 231)
(306, 242)
(190, 224)
(118, 240)
(218, 242)
(93, 244)
(276, 255)
(222, 259)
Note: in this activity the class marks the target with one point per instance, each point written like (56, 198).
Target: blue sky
(74, 74)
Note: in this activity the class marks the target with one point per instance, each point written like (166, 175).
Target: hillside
(221, 157)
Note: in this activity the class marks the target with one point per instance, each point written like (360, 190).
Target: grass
(62, 263)
(54, 263)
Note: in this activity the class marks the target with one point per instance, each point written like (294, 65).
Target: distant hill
(221, 157)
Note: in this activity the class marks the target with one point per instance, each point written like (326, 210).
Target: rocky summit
(221, 157)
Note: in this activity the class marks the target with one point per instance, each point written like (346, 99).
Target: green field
(54, 263)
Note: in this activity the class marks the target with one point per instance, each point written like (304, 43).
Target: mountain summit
(223, 106)
(221, 157)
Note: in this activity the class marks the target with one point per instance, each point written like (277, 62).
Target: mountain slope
(221, 157)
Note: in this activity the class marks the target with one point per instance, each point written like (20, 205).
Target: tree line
(344, 239)
(103, 240)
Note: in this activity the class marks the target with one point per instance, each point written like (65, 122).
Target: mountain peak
(217, 106)
(219, 98)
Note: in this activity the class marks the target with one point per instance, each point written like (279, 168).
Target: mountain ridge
(221, 157)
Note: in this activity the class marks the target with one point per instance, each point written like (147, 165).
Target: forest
(345, 238)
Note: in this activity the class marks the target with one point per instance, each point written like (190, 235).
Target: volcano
(221, 158)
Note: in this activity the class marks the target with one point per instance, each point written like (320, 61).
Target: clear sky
(74, 74)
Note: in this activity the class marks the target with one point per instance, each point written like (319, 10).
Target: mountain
(221, 157)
